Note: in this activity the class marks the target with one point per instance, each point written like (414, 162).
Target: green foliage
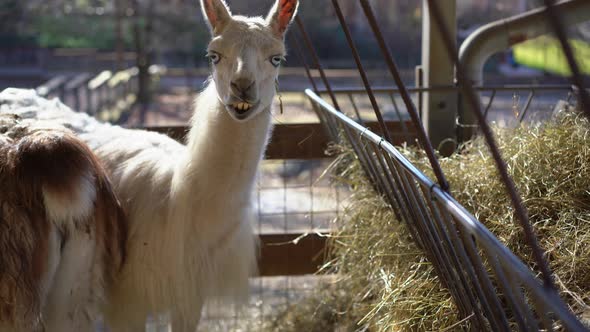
(545, 53)
(10, 14)
(76, 32)
(91, 24)
(12, 40)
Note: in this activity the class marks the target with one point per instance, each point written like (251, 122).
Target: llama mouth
(241, 109)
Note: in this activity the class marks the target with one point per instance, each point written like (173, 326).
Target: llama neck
(223, 154)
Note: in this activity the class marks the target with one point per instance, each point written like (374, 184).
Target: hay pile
(385, 281)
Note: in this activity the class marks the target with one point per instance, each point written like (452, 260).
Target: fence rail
(296, 141)
(520, 98)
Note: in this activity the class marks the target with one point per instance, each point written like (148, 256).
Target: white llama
(188, 207)
(190, 236)
(190, 213)
(62, 231)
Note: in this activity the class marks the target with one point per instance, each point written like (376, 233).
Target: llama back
(54, 193)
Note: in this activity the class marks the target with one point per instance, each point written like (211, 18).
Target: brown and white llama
(189, 207)
(62, 230)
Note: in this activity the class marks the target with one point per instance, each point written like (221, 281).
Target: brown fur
(54, 160)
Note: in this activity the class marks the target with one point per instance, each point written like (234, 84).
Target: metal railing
(487, 92)
(460, 247)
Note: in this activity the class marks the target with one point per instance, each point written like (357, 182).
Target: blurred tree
(12, 20)
(11, 14)
(472, 13)
(175, 28)
(143, 28)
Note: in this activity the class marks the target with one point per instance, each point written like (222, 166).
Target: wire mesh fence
(293, 197)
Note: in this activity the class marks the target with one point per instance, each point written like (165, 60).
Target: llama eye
(276, 60)
(214, 57)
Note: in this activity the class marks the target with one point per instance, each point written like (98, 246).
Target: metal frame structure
(490, 90)
(492, 288)
(453, 238)
(500, 35)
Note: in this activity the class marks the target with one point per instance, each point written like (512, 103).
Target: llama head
(246, 53)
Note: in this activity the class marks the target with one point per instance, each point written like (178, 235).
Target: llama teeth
(241, 106)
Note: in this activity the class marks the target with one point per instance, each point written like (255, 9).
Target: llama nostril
(242, 86)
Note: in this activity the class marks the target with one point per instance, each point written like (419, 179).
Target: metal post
(419, 83)
(439, 108)
(119, 47)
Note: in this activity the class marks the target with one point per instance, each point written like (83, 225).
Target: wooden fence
(105, 95)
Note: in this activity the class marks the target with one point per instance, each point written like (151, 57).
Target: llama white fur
(198, 237)
(190, 238)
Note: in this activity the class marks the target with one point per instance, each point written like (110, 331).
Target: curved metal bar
(556, 23)
(502, 34)
(499, 88)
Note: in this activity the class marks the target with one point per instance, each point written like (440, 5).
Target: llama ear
(216, 14)
(281, 15)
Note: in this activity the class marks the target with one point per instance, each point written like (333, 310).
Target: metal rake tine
(527, 105)
(357, 59)
(355, 108)
(316, 61)
(485, 113)
(399, 116)
(421, 133)
(302, 60)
